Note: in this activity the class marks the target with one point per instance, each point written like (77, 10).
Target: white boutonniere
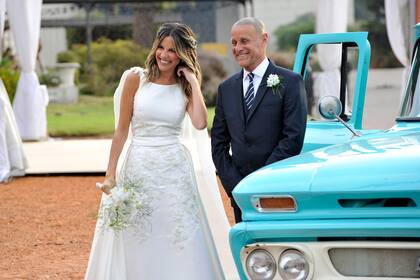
(274, 81)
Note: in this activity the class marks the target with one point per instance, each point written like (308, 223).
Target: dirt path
(47, 225)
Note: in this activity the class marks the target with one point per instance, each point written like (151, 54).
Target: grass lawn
(91, 116)
(210, 117)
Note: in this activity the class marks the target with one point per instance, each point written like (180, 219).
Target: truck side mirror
(330, 108)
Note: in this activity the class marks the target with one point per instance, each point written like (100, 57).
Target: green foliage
(66, 56)
(49, 79)
(288, 35)
(372, 19)
(375, 10)
(109, 60)
(210, 117)
(10, 77)
(77, 35)
(382, 54)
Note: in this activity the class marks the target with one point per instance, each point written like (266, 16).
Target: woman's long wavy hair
(185, 47)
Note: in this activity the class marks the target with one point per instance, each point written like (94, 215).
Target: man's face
(248, 47)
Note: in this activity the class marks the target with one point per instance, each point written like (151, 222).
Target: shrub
(67, 56)
(10, 77)
(288, 35)
(109, 60)
(49, 79)
(382, 54)
(77, 34)
(213, 73)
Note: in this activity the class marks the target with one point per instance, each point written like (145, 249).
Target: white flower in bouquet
(120, 194)
(125, 207)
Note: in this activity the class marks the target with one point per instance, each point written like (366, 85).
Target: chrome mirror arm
(355, 133)
(330, 108)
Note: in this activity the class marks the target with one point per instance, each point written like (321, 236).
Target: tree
(144, 28)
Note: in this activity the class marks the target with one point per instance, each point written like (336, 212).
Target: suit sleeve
(220, 146)
(294, 121)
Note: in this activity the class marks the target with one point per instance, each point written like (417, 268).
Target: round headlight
(293, 265)
(261, 265)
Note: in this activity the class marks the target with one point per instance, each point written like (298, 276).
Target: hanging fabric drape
(398, 27)
(198, 143)
(2, 16)
(12, 158)
(30, 99)
(331, 17)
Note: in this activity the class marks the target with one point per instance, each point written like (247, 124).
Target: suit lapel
(262, 89)
(238, 91)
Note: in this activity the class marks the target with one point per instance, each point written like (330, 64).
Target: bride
(151, 224)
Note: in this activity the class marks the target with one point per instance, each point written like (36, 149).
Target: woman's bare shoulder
(133, 80)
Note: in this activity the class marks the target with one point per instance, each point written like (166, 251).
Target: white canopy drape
(2, 16)
(12, 158)
(398, 27)
(331, 17)
(30, 99)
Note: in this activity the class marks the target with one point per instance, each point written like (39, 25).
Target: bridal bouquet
(125, 207)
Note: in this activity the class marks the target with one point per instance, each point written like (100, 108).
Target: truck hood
(368, 177)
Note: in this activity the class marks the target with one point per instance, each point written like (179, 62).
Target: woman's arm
(196, 107)
(121, 132)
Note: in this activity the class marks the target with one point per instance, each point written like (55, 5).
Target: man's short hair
(258, 24)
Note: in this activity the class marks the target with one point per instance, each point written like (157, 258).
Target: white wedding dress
(171, 240)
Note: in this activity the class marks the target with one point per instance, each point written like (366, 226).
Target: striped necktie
(249, 95)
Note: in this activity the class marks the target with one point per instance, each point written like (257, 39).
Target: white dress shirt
(258, 75)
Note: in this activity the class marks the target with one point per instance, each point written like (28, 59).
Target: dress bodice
(158, 113)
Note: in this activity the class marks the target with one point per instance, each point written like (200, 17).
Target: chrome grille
(373, 262)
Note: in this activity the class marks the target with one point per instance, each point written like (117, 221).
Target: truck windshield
(410, 107)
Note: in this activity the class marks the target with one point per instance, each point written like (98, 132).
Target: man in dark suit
(258, 121)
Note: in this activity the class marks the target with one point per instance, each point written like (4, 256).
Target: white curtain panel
(12, 157)
(2, 16)
(398, 25)
(4, 158)
(331, 17)
(30, 99)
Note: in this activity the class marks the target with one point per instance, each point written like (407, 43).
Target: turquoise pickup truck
(347, 207)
